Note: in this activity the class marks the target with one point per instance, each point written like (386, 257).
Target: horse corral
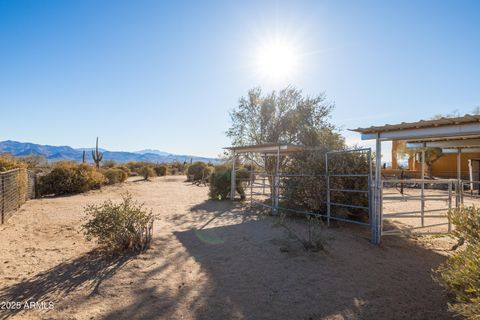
(394, 206)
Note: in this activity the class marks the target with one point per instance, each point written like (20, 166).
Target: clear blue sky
(152, 74)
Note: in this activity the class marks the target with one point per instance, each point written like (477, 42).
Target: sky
(165, 75)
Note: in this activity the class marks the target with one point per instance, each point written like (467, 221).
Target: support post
(422, 194)
(369, 188)
(449, 203)
(233, 182)
(459, 176)
(277, 181)
(327, 177)
(377, 213)
(252, 180)
(265, 171)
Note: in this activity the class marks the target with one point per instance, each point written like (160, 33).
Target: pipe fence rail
(341, 195)
(353, 189)
(16, 187)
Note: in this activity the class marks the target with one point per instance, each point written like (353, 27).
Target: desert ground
(210, 260)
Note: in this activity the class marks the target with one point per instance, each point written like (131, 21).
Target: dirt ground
(210, 260)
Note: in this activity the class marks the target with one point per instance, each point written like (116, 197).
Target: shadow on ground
(233, 265)
(248, 276)
(89, 270)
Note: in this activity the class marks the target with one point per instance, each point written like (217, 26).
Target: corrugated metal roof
(468, 118)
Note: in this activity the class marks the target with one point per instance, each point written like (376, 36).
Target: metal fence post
(449, 204)
(376, 223)
(233, 184)
(327, 177)
(422, 196)
(3, 197)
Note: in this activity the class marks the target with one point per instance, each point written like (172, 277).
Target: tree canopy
(285, 116)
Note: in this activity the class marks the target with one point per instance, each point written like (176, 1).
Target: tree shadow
(252, 278)
(89, 270)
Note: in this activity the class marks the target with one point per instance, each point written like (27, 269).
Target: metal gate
(354, 196)
(418, 206)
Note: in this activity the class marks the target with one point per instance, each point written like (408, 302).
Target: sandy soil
(210, 260)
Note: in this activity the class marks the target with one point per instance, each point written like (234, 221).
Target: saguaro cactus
(83, 157)
(97, 155)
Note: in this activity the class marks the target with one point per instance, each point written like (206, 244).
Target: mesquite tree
(284, 117)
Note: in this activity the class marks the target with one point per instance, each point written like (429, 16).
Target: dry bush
(69, 177)
(146, 172)
(9, 162)
(198, 171)
(460, 274)
(309, 192)
(220, 183)
(124, 169)
(313, 239)
(161, 170)
(119, 226)
(115, 175)
(136, 166)
(109, 164)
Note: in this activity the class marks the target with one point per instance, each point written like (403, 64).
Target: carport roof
(467, 126)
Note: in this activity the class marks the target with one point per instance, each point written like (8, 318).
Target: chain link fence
(16, 187)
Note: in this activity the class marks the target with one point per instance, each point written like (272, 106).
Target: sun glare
(277, 60)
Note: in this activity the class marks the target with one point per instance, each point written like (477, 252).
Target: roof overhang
(460, 143)
(268, 149)
(467, 126)
(456, 150)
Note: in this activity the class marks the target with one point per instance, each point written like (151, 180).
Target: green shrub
(161, 170)
(220, 184)
(115, 175)
(68, 177)
(119, 226)
(198, 171)
(146, 172)
(460, 273)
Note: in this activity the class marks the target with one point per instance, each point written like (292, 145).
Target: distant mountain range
(57, 153)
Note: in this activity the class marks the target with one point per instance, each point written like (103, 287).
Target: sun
(277, 60)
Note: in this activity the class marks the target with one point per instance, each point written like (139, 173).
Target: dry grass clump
(119, 226)
(313, 239)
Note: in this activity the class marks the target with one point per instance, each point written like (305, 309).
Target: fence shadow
(90, 270)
